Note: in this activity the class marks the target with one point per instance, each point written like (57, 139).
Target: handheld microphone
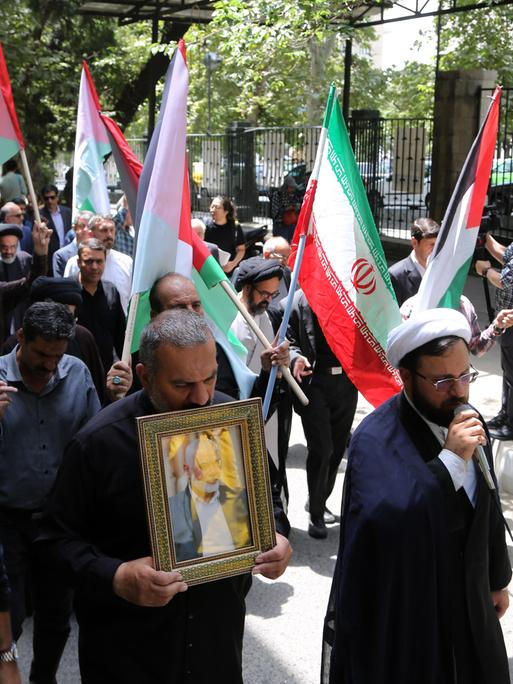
(479, 453)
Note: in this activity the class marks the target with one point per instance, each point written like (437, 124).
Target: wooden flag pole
(129, 332)
(33, 196)
(263, 339)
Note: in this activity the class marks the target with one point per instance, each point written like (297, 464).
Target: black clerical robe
(411, 597)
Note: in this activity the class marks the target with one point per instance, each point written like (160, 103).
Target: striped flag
(165, 240)
(91, 147)
(127, 164)
(344, 273)
(11, 138)
(442, 284)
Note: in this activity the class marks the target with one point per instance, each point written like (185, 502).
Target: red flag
(11, 131)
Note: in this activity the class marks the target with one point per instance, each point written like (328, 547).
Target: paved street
(284, 623)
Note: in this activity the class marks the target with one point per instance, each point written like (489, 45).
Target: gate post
(240, 168)
(456, 123)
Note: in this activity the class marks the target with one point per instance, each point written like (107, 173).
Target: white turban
(423, 327)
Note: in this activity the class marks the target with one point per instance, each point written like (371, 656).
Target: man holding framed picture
(139, 625)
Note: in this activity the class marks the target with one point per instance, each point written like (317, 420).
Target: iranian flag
(11, 138)
(91, 148)
(344, 273)
(165, 240)
(450, 260)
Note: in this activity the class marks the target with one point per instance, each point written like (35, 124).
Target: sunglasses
(50, 197)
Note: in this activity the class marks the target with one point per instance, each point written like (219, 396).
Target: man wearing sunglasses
(422, 570)
(58, 219)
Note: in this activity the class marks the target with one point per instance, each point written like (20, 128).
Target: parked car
(501, 187)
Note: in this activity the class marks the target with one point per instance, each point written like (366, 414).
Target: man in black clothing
(175, 291)
(328, 417)
(139, 625)
(101, 311)
(58, 219)
(407, 273)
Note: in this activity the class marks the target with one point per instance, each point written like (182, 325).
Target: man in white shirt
(118, 266)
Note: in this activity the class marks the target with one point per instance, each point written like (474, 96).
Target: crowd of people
(73, 525)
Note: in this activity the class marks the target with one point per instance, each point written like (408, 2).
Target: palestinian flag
(128, 165)
(11, 138)
(344, 273)
(450, 260)
(91, 148)
(165, 240)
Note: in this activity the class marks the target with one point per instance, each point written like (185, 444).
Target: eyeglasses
(16, 215)
(446, 383)
(266, 294)
(278, 257)
(50, 197)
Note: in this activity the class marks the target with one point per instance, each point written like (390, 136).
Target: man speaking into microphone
(421, 575)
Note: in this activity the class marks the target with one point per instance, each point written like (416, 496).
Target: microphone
(479, 453)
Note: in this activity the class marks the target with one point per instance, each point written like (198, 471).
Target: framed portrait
(207, 489)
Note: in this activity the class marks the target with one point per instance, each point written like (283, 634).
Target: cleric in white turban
(422, 571)
(424, 327)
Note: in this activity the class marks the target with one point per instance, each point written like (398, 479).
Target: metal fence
(500, 191)
(248, 164)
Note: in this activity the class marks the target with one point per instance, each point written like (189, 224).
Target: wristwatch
(485, 271)
(11, 655)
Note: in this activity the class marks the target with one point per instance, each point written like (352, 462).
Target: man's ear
(143, 375)
(406, 376)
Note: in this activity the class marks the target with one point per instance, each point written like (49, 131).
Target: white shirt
(215, 533)
(421, 269)
(118, 271)
(244, 334)
(59, 225)
(463, 473)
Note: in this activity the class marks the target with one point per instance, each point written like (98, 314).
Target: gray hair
(84, 214)
(180, 328)
(91, 243)
(95, 220)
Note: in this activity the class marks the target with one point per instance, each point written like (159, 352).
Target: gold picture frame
(207, 489)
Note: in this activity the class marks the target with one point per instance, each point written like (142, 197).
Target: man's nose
(198, 394)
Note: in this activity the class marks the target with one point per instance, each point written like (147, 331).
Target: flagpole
(263, 340)
(32, 194)
(304, 221)
(130, 327)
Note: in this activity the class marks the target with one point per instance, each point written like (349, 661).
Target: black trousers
(327, 423)
(34, 584)
(506, 342)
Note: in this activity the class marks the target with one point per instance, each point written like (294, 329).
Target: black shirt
(227, 237)
(102, 314)
(97, 521)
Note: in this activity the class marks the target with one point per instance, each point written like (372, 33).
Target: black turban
(256, 269)
(10, 229)
(61, 290)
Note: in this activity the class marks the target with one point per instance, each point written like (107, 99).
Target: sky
(398, 39)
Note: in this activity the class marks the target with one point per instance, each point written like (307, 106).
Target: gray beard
(8, 260)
